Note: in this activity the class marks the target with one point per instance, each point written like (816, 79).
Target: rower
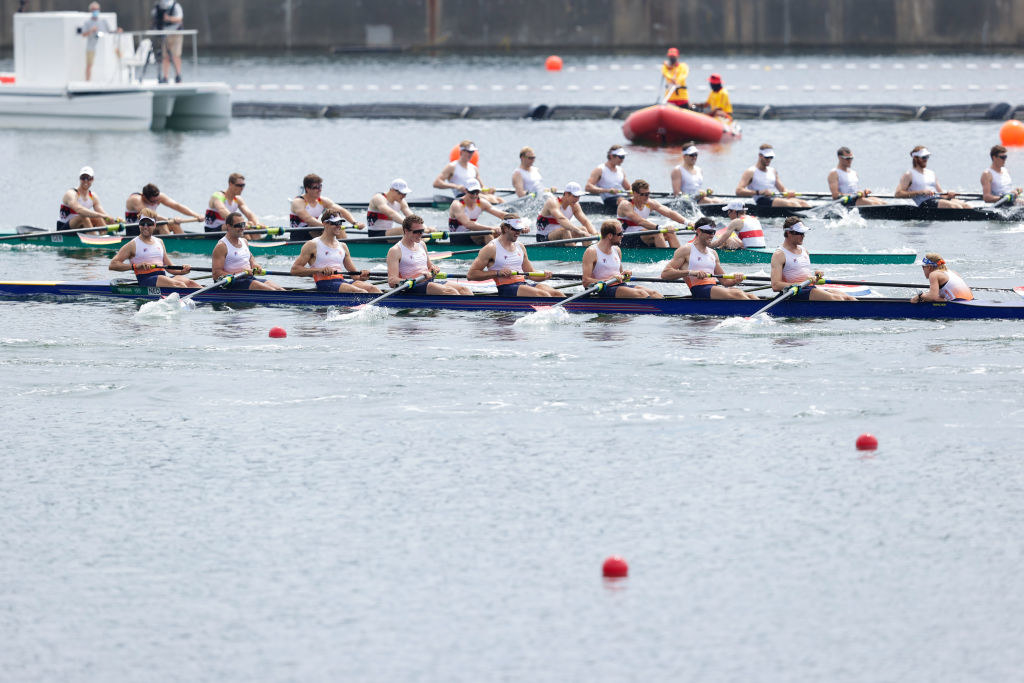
(555, 219)
(326, 260)
(674, 74)
(718, 104)
(698, 264)
(308, 208)
(456, 174)
(688, 178)
(603, 261)
(231, 256)
(633, 213)
(409, 260)
(462, 215)
(762, 181)
(791, 265)
(921, 185)
(147, 202)
(608, 179)
(526, 178)
(387, 210)
(79, 207)
(844, 183)
(996, 183)
(505, 261)
(146, 256)
(228, 201)
(945, 284)
(742, 231)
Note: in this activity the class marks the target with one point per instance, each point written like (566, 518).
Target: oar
(899, 285)
(111, 228)
(408, 284)
(439, 235)
(823, 209)
(782, 297)
(286, 273)
(589, 290)
(220, 233)
(226, 280)
(438, 255)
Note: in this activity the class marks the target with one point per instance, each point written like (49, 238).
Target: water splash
(360, 316)
(168, 307)
(546, 317)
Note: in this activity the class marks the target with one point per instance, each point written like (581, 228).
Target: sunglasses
(926, 157)
(416, 232)
(531, 156)
(236, 225)
(708, 232)
(642, 194)
(89, 177)
(1001, 156)
(847, 158)
(619, 234)
(312, 187)
(474, 192)
(238, 184)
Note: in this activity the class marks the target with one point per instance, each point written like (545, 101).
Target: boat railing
(134, 59)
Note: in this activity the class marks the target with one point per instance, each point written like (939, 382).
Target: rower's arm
(177, 206)
(677, 267)
(557, 213)
(528, 268)
(933, 288)
(244, 208)
(730, 280)
(903, 190)
(497, 213)
(778, 261)
(394, 256)
(722, 238)
(592, 186)
(519, 185)
(300, 266)
(677, 181)
(742, 190)
(298, 208)
(986, 188)
(577, 211)
(347, 261)
(668, 213)
(589, 261)
(220, 253)
(442, 182)
(635, 217)
(101, 212)
(833, 185)
(478, 269)
(120, 260)
(778, 184)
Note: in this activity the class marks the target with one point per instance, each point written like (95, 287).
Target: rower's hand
(819, 277)
(950, 195)
(182, 269)
(791, 193)
(258, 270)
(460, 188)
(737, 278)
(766, 193)
(708, 192)
(700, 275)
(506, 272)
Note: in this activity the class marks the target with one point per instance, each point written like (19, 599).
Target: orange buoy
(1012, 133)
(553, 63)
(475, 159)
(615, 568)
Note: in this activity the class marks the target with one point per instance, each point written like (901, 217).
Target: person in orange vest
(674, 73)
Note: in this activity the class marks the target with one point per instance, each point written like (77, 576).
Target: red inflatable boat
(667, 124)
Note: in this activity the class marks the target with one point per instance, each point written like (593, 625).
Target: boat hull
(666, 124)
(675, 306)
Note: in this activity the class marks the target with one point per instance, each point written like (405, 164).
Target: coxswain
(555, 219)
(718, 104)
(688, 179)
(228, 201)
(463, 214)
(148, 202)
(603, 261)
(921, 185)
(697, 263)
(387, 210)
(609, 180)
(146, 256)
(742, 231)
(762, 181)
(307, 210)
(328, 261)
(944, 284)
(409, 260)
(526, 178)
(996, 184)
(231, 256)
(633, 213)
(504, 260)
(844, 184)
(456, 174)
(79, 207)
(791, 266)
(674, 74)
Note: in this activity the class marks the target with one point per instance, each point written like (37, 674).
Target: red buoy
(553, 63)
(615, 568)
(278, 333)
(867, 442)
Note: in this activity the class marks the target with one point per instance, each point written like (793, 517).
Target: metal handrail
(191, 32)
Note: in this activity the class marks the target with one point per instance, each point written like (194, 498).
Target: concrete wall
(698, 25)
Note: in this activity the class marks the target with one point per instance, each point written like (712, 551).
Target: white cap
(514, 223)
(923, 152)
(736, 205)
(334, 220)
(797, 227)
(689, 150)
(472, 185)
(87, 170)
(767, 152)
(618, 152)
(166, 4)
(399, 185)
(468, 148)
(574, 188)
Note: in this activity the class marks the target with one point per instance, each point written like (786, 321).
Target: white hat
(797, 227)
(399, 185)
(87, 170)
(468, 148)
(472, 185)
(514, 223)
(335, 219)
(689, 150)
(166, 4)
(618, 152)
(574, 188)
(736, 205)
(767, 152)
(923, 152)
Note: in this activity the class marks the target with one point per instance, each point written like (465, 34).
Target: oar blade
(1019, 291)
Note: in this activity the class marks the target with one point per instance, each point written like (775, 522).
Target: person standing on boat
(79, 207)
(791, 266)
(688, 179)
(697, 263)
(762, 181)
(742, 231)
(307, 209)
(231, 256)
(146, 256)
(633, 213)
(945, 285)
(387, 210)
(168, 16)
(609, 180)
(674, 74)
(921, 185)
(603, 261)
(326, 260)
(91, 30)
(456, 174)
(504, 260)
(148, 201)
(996, 183)
(843, 182)
(718, 103)
(409, 260)
(526, 178)
(462, 215)
(228, 201)
(555, 219)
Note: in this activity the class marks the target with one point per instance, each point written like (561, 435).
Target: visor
(797, 227)
(767, 153)
(689, 150)
(921, 153)
(514, 223)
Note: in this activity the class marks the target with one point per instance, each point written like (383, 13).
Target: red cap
(672, 52)
(715, 79)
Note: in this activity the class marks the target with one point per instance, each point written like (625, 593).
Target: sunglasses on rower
(237, 224)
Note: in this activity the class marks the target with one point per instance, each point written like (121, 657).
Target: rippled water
(430, 495)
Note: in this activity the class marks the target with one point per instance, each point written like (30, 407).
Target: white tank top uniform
(955, 288)
(330, 256)
(532, 181)
(922, 181)
(849, 184)
(237, 261)
(692, 183)
(377, 224)
(460, 175)
(610, 179)
(763, 180)
(66, 212)
(751, 233)
(213, 222)
(1002, 185)
(511, 259)
(705, 262)
(547, 224)
(148, 255)
(607, 266)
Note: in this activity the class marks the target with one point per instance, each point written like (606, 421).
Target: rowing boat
(671, 305)
(379, 250)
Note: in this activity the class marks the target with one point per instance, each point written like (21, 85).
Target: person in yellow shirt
(674, 73)
(718, 103)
